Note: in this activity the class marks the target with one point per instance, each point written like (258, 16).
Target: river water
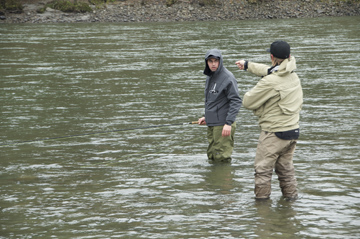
(93, 145)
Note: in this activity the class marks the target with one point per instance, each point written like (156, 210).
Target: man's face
(213, 64)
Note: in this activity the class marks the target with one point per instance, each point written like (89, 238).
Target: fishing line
(95, 133)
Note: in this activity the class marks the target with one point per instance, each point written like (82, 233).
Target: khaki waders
(271, 153)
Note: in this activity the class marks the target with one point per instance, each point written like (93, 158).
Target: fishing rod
(99, 132)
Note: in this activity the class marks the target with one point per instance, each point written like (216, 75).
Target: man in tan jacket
(277, 100)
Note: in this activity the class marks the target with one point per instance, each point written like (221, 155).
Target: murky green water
(89, 81)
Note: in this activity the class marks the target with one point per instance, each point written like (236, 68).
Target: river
(93, 143)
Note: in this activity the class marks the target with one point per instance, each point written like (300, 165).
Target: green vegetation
(74, 5)
(207, 2)
(97, 2)
(170, 2)
(14, 6)
(67, 6)
(100, 2)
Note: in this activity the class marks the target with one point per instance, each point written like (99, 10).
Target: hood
(216, 53)
(287, 66)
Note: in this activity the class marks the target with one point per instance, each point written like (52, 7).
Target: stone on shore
(157, 11)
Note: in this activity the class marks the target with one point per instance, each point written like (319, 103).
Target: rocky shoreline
(157, 11)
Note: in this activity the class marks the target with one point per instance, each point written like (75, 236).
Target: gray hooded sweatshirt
(222, 99)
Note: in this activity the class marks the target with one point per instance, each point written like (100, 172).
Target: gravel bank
(157, 11)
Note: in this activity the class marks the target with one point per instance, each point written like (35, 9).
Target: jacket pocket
(211, 117)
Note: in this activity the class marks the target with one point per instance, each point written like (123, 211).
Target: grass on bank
(67, 6)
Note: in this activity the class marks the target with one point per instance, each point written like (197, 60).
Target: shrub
(97, 2)
(207, 2)
(170, 2)
(67, 6)
(14, 6)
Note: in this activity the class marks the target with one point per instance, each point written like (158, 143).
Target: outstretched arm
(241, 64)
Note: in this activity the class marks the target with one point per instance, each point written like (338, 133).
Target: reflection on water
(279, 220)
(79, 85)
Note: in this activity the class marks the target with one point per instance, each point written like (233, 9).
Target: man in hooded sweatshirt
(277, 100)
(222, 104)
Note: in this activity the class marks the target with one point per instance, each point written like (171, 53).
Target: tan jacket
(277, 98)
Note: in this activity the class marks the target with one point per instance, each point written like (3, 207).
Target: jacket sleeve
(258, 95)
(258, 69)
(235, 102)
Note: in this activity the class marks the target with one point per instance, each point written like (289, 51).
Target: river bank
(158, 11)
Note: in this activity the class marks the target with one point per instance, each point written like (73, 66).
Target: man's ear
(272, 59)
